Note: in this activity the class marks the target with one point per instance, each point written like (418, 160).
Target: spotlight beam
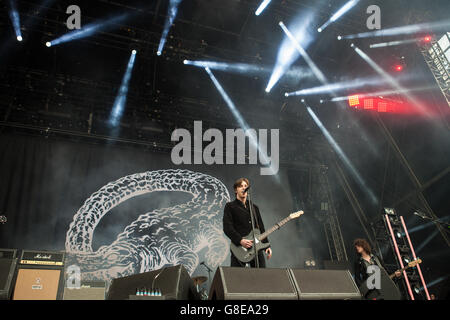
(392, 43)
(262, 6)
(341, 154)
(411, 29)
(389, 79)
(86, 31)
(287, 53)
(121, 99)
(237, 115)
(385, 93)
(343, 10)
(336, 87)
(172, 13)
(305, 55)
(15, 19)
(248, 69)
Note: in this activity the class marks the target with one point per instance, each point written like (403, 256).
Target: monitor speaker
(232, 283)
(7, 268)
(174, 283)
(325, 285)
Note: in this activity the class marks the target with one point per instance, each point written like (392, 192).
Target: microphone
(246, 189)
(156, 277)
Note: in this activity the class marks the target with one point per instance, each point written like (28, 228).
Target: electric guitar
(412, 264)
(388, 290)
(246, 255)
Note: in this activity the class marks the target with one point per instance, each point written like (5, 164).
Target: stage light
(239, 118)
(427, 39)
(392, 43)
(342, 156)
(48, 44)
(15, 19)
(339, 37)
(88, 30)
(332, 87)
(121, 99)
(287, 53)
(171, 14)
(352, 45)
(398, 67)
(303, 100)
(389, 79)
(319, 75)
(262, 6)
(295, 73)
(344, 9)
(321, 101)
(411, 29)
(134, 52)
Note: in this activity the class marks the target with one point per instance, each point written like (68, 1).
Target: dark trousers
(261, 259)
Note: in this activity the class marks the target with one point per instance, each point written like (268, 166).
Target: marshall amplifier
(40, 275)
(43, 258)
(8, 263)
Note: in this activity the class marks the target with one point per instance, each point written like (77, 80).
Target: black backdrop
(45, 181)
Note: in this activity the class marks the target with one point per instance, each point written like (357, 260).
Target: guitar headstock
(296, 214)
(414, 263)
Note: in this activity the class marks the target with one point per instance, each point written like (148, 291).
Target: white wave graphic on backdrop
(183, 234)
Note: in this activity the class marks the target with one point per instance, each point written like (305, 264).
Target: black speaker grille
(241, 280)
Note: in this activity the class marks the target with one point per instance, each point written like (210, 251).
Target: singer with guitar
(237, 224)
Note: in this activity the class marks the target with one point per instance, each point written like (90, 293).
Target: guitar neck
(401, 270)
(277, 226)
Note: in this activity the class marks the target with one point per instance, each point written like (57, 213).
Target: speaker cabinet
(8, 263)
(325, 284)
(37, 284)
(174, 282)
(89, 290)
(232, 283)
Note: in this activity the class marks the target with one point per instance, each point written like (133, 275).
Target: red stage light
(398, 67)
(353, 101)
(427, 39)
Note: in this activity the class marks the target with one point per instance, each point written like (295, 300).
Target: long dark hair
(363, 244)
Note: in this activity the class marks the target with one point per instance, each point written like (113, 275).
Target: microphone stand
(250, 203)
(209, 273)
(433, 220)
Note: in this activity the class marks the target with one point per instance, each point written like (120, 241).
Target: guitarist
(366, 259)
(237, 223)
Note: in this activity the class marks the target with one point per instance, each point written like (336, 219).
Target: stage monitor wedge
(325, 285)
(174, 282)
(231, 283)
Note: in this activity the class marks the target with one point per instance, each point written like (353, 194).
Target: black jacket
(361, 269)
(237, 221)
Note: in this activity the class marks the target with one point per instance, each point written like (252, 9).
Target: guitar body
(246, 255)
(388, 289)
